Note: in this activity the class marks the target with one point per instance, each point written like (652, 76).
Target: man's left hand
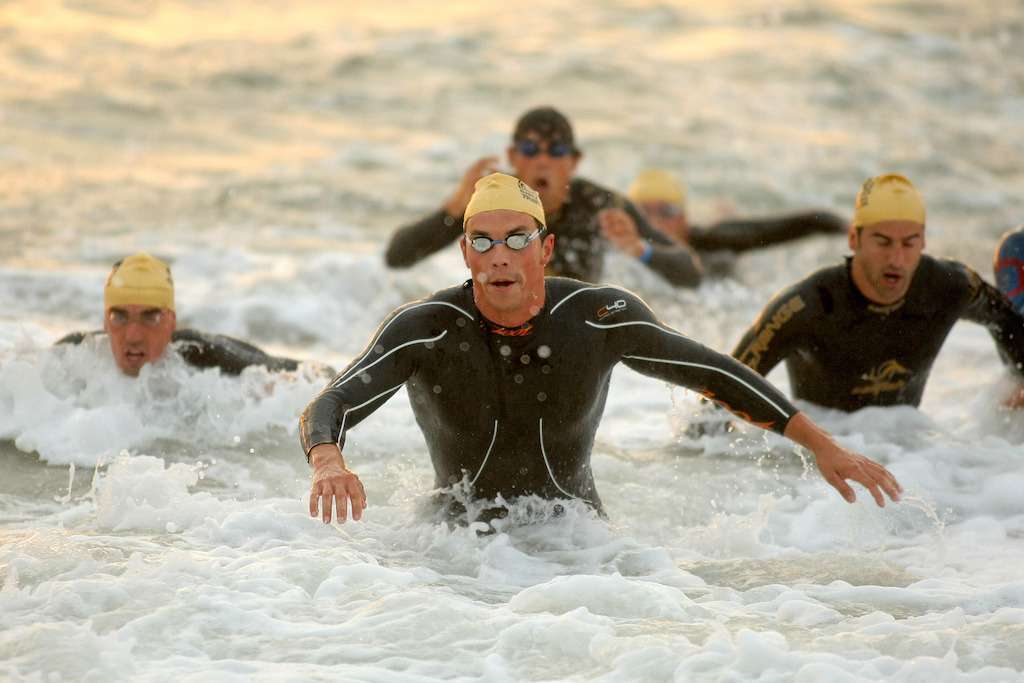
(837, 464)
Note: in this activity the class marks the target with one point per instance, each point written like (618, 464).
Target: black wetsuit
(579, 245)
(744, 234)
(842, 351)
(210, 351)
(516, 415)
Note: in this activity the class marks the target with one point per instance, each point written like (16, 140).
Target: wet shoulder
(590, 194)
(447, 306)
(940, 282)
(573, 299)
(818, 293)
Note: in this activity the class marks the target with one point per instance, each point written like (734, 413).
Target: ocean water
(157, 529)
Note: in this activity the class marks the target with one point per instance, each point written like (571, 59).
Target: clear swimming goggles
(515, 242)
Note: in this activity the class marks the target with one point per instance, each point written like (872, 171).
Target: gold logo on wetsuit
(751, 356)
(611, 309)
(883, 378)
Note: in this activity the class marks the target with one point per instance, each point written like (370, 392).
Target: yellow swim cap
(889, 197)
(141, 280)
(501, 191)
(656, 185)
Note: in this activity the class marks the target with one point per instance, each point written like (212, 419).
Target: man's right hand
(334, 484)
(457, 203)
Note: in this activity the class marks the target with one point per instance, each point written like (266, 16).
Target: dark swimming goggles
(516, 242)
(555, 149)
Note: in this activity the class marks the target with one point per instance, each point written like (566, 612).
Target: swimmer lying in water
(139, 320)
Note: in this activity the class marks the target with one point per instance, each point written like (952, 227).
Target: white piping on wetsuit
(344, 416)
(692, 365)
(548, 465)
(338, 382)
(720, 370)
(494, 436)
(380, 334)
(580, 291)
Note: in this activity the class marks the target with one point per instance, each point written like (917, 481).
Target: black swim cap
(548, 123)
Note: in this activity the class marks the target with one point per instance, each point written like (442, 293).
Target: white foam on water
(267, 151)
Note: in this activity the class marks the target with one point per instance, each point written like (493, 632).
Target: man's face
(138, 334)
(667, 217)
(531, 159)
(885, 256)
(506, 281)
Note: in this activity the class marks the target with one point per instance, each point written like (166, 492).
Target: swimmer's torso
(516, 415)
(842, 351)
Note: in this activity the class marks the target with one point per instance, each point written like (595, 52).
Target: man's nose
(133, 331)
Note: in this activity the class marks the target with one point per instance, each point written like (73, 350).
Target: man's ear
(853, 237)
(547, 249)
(462, 246)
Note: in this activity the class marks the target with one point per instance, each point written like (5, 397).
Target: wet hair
(548, 123)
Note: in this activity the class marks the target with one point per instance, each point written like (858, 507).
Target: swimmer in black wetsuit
(865, 333)
(544, 155)
(139, 319)
(662, 200)
(508, 373)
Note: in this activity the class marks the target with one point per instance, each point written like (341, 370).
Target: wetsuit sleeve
(774, 334)
(650, 347)
(987, 306)
(75, 338)
(414, 242)
(366, 384)
(231, 355)
(746, 234)
(676, 263)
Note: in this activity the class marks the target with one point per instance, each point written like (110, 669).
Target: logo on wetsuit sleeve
(883, 378)
(611, 309)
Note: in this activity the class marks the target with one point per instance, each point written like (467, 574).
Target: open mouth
(135, 356)
(501, 282)
(892, 278)
(541, 184)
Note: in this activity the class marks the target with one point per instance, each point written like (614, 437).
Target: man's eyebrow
(521, 228)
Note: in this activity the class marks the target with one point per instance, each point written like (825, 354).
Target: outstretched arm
(742, 234)
(987, 306)
(650, 347)
(358, 390)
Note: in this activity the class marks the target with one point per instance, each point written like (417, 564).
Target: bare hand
(457, 203)
(619, 228)
(335, 485)
(837, 464)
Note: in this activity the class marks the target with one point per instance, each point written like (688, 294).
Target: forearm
(674, 358)
(678, 264)
(326, 455)
(803, 431)
(753, 233)
(416, 241)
